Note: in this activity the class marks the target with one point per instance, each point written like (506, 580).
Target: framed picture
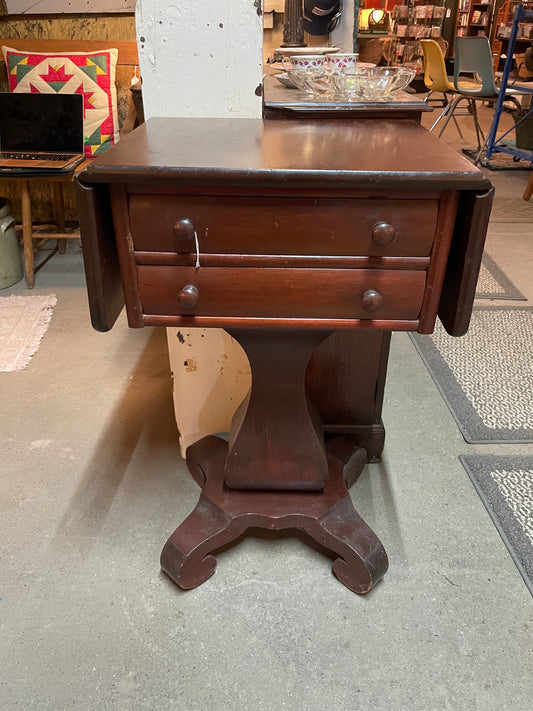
(58, 7)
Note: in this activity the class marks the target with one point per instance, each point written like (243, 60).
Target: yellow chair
(436, 79)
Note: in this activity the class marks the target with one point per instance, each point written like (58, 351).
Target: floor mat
(486, 376)
(23, 322)
(505, 485)
(512, 209)
(494, 284)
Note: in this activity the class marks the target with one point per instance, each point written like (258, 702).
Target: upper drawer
(279, 225)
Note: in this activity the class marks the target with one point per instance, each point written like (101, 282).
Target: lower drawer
(281, 293)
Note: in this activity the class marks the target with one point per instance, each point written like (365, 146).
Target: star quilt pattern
(91, 74)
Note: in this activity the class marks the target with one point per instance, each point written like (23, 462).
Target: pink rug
(23, 322)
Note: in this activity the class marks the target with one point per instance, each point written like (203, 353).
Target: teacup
(342, 63)
(303, 69)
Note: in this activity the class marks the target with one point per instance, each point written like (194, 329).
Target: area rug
(494, 284)
(23, 322)
(512, 209)
(486, 376)
(505, 485)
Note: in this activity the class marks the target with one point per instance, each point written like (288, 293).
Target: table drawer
(281, 293)
(283, 225)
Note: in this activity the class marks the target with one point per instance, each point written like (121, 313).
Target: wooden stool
(28, 232)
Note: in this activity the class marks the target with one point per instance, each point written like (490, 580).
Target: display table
(283, 233)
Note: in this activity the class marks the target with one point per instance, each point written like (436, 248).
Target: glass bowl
(373, 83)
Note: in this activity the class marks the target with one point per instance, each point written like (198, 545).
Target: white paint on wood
(200, 58)
(211, 377)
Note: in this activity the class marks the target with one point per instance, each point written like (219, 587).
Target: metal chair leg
(458, 128)
(479, 133)
(447, 113)
(447, 99)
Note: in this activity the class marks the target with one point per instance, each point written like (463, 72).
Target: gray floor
(91, 485)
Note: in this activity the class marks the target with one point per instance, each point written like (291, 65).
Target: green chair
(473, 80)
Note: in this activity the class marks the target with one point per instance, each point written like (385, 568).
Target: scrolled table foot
(223, 514)
(362, 559)
(186, 555)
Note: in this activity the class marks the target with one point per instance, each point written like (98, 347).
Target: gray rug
(494, 284)
(512, 209)
(486, 377)
(505, 485)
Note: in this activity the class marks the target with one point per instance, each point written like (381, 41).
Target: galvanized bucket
(10, 263)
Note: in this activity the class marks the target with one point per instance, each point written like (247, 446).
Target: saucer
(293, 51)
(285, 80)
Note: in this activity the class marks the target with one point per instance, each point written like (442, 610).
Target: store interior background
(385, 47)
(87, 619)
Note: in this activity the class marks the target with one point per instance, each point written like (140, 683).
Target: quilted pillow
(91, 74)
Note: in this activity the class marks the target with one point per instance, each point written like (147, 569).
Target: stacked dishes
(337, 77)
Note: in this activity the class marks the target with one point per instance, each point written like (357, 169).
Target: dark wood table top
(362, 154)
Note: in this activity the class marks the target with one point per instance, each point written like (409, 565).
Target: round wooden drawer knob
(189, 297)
(372, 300)
(383, 233)
(184, 230)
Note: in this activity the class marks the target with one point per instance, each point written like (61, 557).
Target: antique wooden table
(284, 233)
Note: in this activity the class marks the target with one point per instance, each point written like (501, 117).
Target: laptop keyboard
(37, 156)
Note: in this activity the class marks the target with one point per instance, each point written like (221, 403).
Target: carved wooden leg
(362, 559)
(276, 440)
(185, 557)
(276, 473)
(223, 514)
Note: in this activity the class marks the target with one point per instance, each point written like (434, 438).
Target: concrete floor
(91, 485)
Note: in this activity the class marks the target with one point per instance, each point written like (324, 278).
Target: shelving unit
(503, 143)
(473, 18)
(502, 33)
(412, 21)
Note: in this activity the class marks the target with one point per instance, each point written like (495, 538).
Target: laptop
(40, 132)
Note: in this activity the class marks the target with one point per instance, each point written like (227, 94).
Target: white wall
(200, 57)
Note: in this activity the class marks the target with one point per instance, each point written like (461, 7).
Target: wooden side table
(283, 233)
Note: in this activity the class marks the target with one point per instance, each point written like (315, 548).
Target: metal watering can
(10, 262)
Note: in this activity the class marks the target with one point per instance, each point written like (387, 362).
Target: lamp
(378, 21)
(374, 21)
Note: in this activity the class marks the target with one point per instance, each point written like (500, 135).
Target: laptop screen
(41, 122)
